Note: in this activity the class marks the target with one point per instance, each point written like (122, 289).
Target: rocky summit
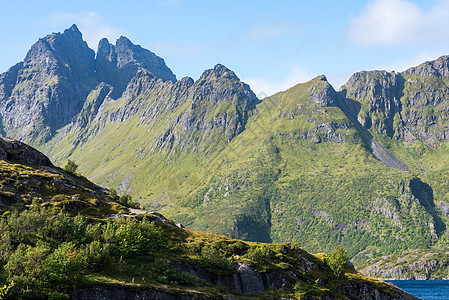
(48, 89)
(364, 167)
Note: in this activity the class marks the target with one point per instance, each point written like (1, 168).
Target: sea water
(425, 289)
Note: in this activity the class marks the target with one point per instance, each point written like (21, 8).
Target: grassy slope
(26, 185)
(137, 253)
(298, 172)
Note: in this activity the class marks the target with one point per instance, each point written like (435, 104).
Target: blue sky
(271, 45)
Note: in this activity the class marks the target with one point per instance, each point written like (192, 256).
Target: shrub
(215, 259)
(71, 167)
(27, 261)
(130, 239)
(336, 260)
(5, 289)
(259, 254)
(65, 265)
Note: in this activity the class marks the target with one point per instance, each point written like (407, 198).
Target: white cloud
(263, 87)
(91, 25)
(399, 22)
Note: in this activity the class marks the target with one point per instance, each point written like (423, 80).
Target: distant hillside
(363, 167)
(419, 264)
(63, 237)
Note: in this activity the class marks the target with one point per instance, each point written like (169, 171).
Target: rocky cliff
(407, 106)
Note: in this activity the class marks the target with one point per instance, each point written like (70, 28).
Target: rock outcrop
(407, 106)
(12, 150)
(352, 291)
(116, 292)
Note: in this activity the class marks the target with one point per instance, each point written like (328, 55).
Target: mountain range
(364, 167)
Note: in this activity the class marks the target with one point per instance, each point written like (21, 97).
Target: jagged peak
(219, 71)
(362, 77)
(188, 81)
(433, 68)
(320, 78)
(104, 49)
(103, 43)
(73, 30)
(65, 46)
(124, 41)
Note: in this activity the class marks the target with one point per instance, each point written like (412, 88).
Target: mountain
(363, 167)
(49, 88)
(63, 237)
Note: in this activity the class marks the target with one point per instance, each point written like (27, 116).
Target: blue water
(425, 289)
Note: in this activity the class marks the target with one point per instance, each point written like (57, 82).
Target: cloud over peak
(399, 22)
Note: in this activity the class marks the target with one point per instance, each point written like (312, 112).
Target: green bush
(215, 259)
(259, 254)
(337, 260)
(5, 289)
(65, 265)
(71, 167)
(129, 239)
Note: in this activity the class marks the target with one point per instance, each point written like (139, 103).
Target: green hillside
(63, 237)
(300, 170)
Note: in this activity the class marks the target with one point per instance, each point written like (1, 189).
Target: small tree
(71, 167)
(113, 193)
(336, 260)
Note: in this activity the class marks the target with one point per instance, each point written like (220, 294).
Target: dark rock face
(244, 281)
(364, 291)
(118, 64)
(13, 150)
(324, 96)
(130, 293)
(378, 93)
(220, 106)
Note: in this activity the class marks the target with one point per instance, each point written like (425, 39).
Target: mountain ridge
(312, 164)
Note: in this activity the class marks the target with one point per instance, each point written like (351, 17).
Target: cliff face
(118, 64)
(407, 106)
(46, 90)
